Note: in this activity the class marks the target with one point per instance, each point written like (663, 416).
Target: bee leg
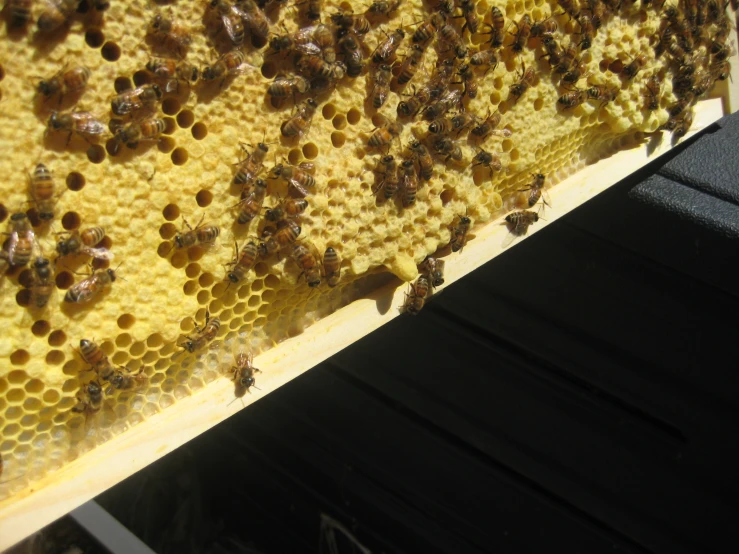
(69, 139)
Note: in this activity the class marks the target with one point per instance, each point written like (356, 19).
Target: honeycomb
(142, 195)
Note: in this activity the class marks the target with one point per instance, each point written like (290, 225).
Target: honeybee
(569, 7)
(19, 16)
(469, 12)
(83, 124)
(427, 28)
(410, 64)
(353, 58)
(315, 66)
(133, 132)
(485, 58)
(682, 125)
(42, 283)
(448, 33)
(244, 262)
(572, 99)
(331, 266)
(313, 12)
(142, 98)
(351, 22)
(681, 105)
(412, 106)
(598, 11)
(385, 51)
(83, 243)
(55, 14)
(243, 374)
(382, 136)
(415, 301)
(308, 262)
(487, 126)
(441, 126)
(520, 221)
(702, 84)
(387, 182)
(20, 248)
(523, 32)
(93, 356)
(448, 100)
(489, 160)
(554, 52)
(424, 160)
(300, 177)
(229, 19)
(408, 183)
(383, 7)
(285, 85)
(299, 123)
(123, 379)
(228, 65)
(168, 34)
(89, 399)
(381, 87)
(449, 148)
(255, 18)
(434, 270)
(587, 30)
(535, 190)
(204, 334)
(292, 207)
(463, 121)
(251, 166)
(91, 286)
(65, 81)
(525, 81)
(602, 93)
(201, 234)
(497, 28)
(575, 70)
(42, 192)
(653, 91)
(251, 202)
(459, 233)
(287, 233)
(543, 28)
(635, 66)
(469, 81)
(170, 73)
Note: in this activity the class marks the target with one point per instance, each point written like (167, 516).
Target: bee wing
(243, 68)
(99, 253)
(12, 246)
(89, 124)
(84, 290)
(305, 35)
(228, 24)
(308, 167)
(300, 188)
(309, 49)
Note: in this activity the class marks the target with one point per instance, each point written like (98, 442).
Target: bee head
(94, 388)
(247, 382)
(233, 277)
(55, 121)
(112, 275)
(178, 241)
(157, 91)
(208, 74)
(46, 216)
(45, 88)
(156, 22)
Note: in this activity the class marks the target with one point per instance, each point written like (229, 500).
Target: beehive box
(55, 458)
